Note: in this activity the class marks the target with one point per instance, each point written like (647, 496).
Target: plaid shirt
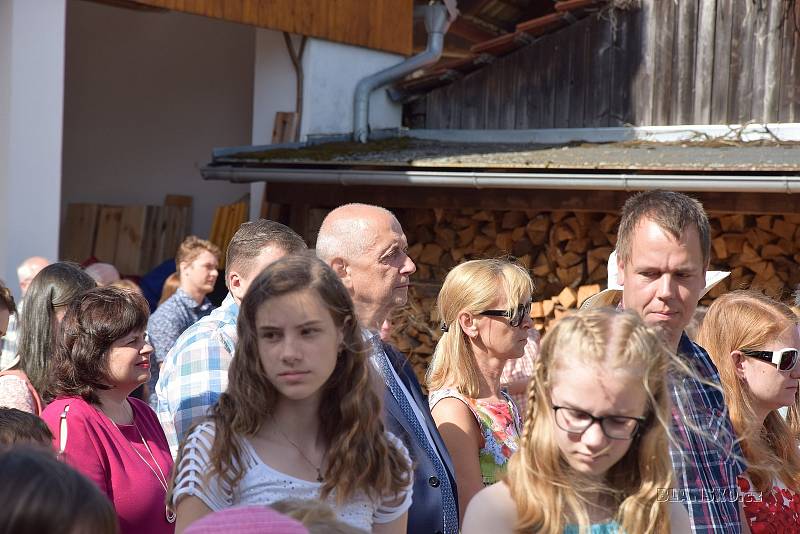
(522, 369)
(706, 466)
(195, 371)
(165, 326)
(8, 343)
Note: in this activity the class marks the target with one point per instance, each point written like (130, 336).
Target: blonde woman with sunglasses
(484, 306)
(754, 343)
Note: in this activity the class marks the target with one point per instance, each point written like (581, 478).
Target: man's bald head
(28, 269)
(366, 247)
(346, 231)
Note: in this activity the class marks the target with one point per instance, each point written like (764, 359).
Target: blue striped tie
(448, 502)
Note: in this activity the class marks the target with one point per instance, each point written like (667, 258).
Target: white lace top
(263, 485)
(14, 394)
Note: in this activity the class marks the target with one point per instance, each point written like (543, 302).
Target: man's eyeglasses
(784, 359)
(614, 426)
(515, 316)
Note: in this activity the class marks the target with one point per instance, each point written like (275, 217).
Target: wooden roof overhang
(385, 25)
(489, 29)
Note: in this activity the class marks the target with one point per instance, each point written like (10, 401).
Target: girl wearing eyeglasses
(754, 342)
(484, 306)
(594, 454)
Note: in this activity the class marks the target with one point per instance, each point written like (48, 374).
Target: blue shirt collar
(190, 303)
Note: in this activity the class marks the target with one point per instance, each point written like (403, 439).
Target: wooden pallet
(227, 220)
(79, 232)
(133, 238)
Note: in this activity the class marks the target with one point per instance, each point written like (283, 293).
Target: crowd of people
(286, 409)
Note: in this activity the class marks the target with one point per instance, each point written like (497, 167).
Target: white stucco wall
(147, 97)
(274, 90)
(274, 83)
(332, 71)
(31, 106)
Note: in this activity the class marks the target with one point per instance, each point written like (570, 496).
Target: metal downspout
(436, 23)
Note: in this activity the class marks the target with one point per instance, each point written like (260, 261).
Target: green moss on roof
(327, 151)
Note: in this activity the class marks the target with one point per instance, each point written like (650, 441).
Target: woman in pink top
(114, 440)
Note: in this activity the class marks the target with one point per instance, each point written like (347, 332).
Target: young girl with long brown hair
(300, 417)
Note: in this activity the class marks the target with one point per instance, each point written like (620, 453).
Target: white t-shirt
(263, 485)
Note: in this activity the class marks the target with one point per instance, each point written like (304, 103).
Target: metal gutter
(436, 23)
(749, 183)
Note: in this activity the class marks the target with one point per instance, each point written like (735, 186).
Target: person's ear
(620, 271)
(468, 325)
(235, 284)
(340, 339)
(738, 363)
(182, 266)
(343, 270)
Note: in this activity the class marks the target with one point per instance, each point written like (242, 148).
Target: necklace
(169, 513)
(293, 444)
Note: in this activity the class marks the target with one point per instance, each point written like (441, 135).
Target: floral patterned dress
(500, 426)
(777, 511)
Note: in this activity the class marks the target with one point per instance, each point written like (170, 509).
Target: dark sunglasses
(515, 316)
(783, 359)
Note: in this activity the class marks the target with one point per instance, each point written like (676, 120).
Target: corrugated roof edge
(780, 132)
(313, 139)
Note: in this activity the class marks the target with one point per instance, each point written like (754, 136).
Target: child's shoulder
(491, 510)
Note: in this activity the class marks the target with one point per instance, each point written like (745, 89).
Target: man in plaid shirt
(195, 371)
(663, 252)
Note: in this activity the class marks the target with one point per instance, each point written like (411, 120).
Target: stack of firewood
(567, 253)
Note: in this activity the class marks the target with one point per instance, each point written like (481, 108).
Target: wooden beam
(571, 5)
(130, 4)
(469, 31)
(379, 24)
(331, 196)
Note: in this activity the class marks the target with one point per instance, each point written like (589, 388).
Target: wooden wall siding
(379, 24)
(671, 62)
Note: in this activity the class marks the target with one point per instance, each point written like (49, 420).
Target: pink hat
(246, 520)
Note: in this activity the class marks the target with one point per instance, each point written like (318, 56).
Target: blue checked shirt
(8, 344)
(195, 371)
(167, 323)
(706, 466)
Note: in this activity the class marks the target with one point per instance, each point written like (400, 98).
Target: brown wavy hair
(7, 299)
(543, 486)
(360, 458)
(94, 321)
(746, 319)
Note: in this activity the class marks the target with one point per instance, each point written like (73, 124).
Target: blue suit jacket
(426, 514)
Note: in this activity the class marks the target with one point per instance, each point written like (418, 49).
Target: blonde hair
(471, 287)
(746, 319)
(191, 247)
(171, 285)
(544, 488)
